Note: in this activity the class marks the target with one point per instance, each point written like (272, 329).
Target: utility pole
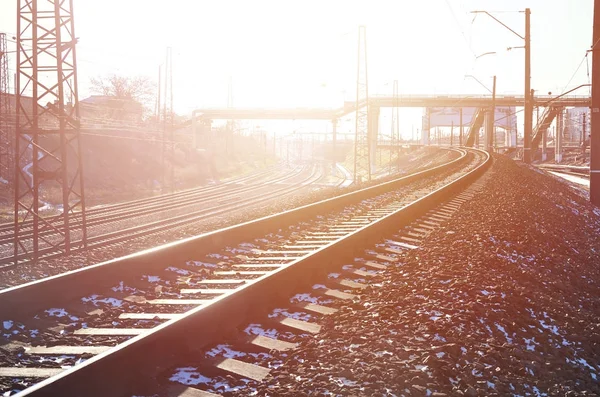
(583, 130)
(595, 118)
(167, 139)
(47, 78)
(460, 136)
(362, 144)
(395, 130)
(491, 135)
(158, 99)
(528, 94)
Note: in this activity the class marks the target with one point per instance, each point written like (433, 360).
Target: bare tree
(138, 88)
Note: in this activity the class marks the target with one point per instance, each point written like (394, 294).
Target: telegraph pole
(595, 119)
(528, 94)
(460, 136)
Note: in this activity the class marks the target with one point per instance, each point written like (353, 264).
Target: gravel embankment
(44, 268)
(504, 299)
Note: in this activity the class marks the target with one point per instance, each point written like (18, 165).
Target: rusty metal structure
(362, 144)
(6, 119)
(48, 162)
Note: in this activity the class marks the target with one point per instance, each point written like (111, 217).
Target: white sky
(284, 53)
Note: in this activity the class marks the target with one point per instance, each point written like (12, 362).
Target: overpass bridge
(476, 101)
(202, 118)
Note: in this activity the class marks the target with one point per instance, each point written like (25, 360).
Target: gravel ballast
(503, 299)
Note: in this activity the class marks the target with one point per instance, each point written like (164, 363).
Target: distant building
(100, 107)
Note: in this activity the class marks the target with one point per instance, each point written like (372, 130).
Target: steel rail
(165, 224)
(113, 372)
(150, 202)
(166, 203)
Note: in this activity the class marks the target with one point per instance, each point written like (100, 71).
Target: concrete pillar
(426, 128)
(558, 138)
(544, 144)
(194, 127)
(489, 130)
(373, 131)
(333, 144)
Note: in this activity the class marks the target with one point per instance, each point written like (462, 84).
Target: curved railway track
(146, 216)
(155, 321)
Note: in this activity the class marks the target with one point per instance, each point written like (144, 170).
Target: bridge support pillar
(489, 130)
(334, 141)
(426, 127)
(510, 138)
(544, 144)
(373, 128)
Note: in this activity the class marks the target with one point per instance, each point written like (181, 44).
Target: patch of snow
(256, 329)
(421, 368)
(152, 279)
(484, 292)
(95, 301)
(189, 376)
(226, 351)
(178, 271)
(583, 362)
(247, 245)
(319, 286)
(445, 281)
(334, 275)
(501, 328)
(344, 382)
(304, 298)
(202, 264)
(295, 315)
(552, 328)
(434, 318)
(439, 338)
(218, 256)
(440, 354)
(7, 324)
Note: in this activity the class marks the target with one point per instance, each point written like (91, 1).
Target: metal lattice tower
(362, 163)
(48, 160)
(6, 119)
(395, 131)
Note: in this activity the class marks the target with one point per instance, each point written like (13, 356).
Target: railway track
(138, 218)
(575, 174)
(156, 321)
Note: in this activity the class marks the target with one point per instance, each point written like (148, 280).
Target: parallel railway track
(155, 312)
(146, 216)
